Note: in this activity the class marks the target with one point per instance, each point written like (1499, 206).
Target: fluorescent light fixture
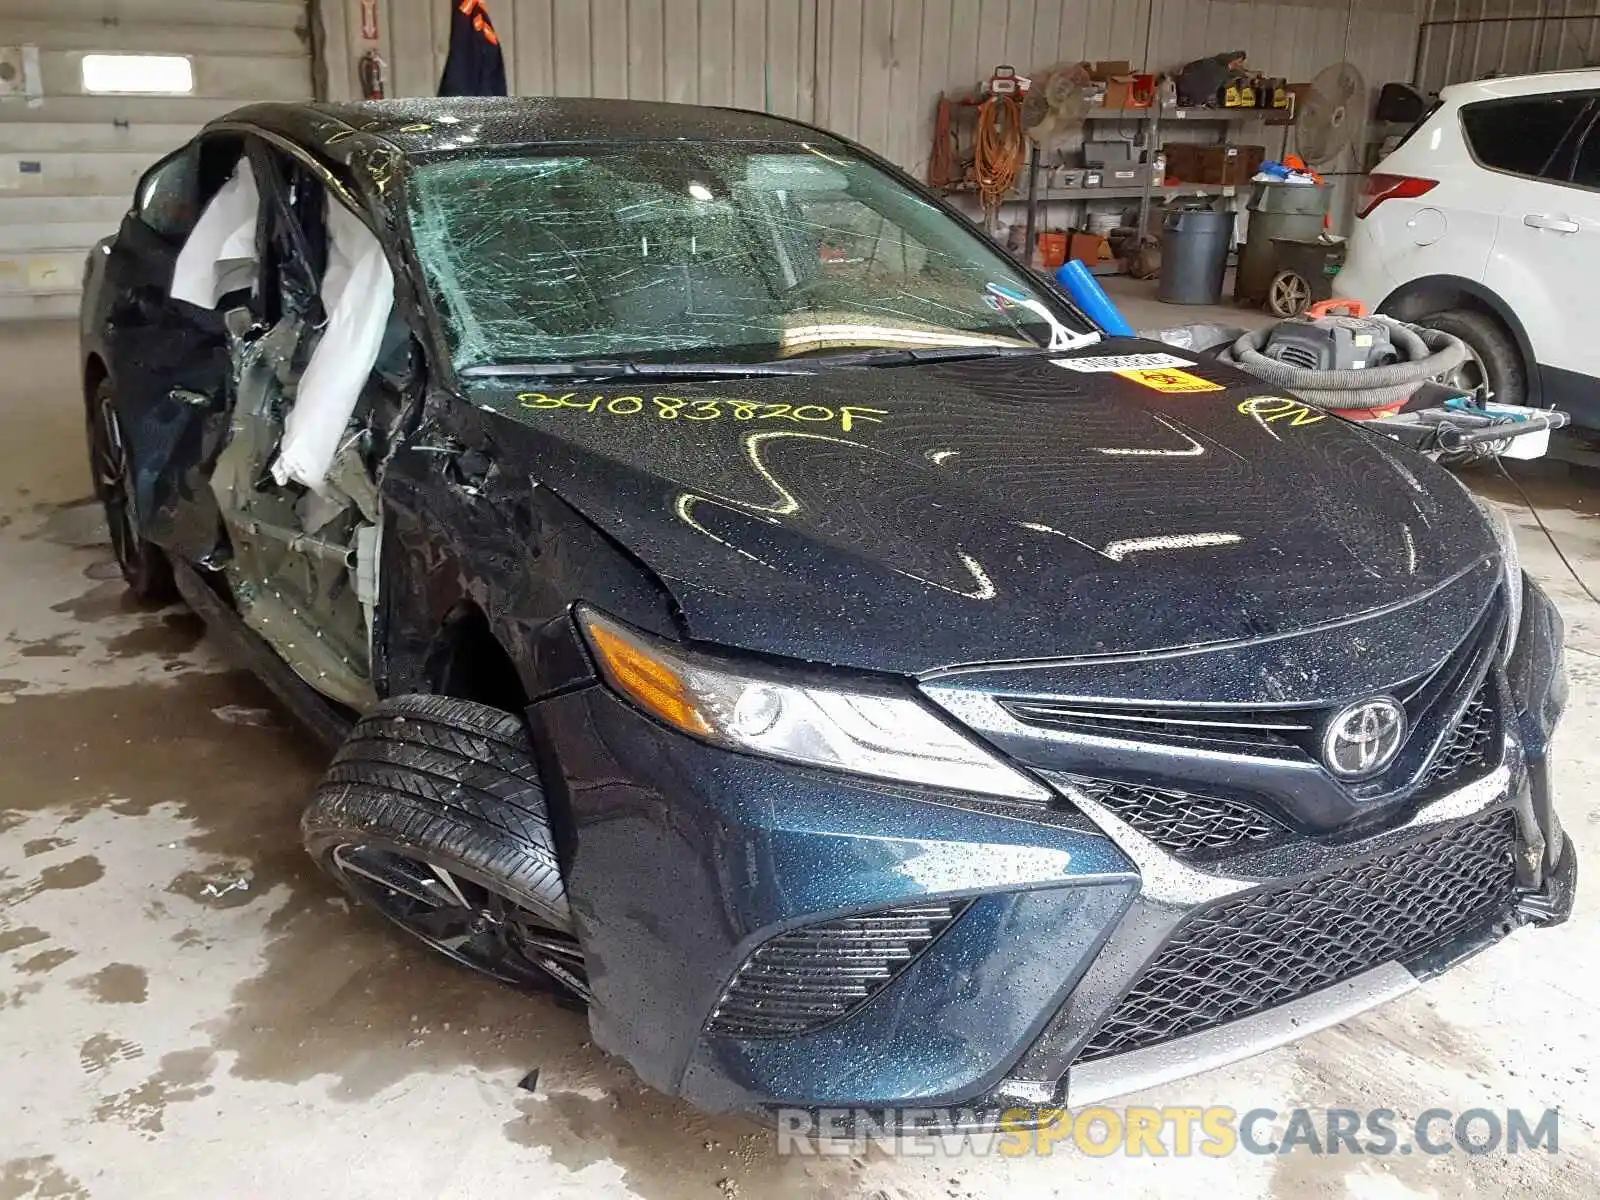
(164, 74)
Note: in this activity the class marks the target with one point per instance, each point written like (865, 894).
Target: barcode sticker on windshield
(1123, 362)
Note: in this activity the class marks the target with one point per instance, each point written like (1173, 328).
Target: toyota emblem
(1363, 738)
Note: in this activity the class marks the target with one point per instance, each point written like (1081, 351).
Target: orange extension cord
(998, 151)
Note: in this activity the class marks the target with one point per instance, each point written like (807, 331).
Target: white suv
(1486, 222)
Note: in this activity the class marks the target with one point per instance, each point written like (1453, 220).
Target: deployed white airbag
(220, 255)
(357, 296)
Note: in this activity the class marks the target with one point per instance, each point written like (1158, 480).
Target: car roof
(1579, 79)
(433, 124)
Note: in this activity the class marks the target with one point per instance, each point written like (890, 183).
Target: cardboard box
(1119, 92)
(1227, 166)
(1182, 160)
(1110, 68)
(1087, 247)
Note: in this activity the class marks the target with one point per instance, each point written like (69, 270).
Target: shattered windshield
(682, 252)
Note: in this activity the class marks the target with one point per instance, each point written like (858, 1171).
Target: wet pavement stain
(103, 602)
(343, 994)
(18, 996)
(219, 885)
(669, 1151)
(105, 1050)
(133, 747)
(173, 635)
(44, 845)
(1548, 483)
(56, 646)
(46, 960)
(77, 524)
(38, 1179)
(26, 935)
(181, 1079)
(79, 873)
(119, 983)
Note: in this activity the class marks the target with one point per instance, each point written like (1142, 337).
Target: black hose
(1426, 354)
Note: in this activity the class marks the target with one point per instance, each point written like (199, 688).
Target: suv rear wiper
(621, 369)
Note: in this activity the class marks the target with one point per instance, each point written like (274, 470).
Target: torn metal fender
(461, 524)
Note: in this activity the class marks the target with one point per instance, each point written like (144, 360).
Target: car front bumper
(686, 860)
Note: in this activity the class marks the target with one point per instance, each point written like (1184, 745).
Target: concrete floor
(1136, 298)
(187, 1009)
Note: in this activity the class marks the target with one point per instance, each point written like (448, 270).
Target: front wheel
(143, 564)
(1494, 364)
(432, 813)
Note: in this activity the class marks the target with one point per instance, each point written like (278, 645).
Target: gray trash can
(1194, 254)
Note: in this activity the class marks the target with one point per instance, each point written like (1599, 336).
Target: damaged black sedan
(746, 599)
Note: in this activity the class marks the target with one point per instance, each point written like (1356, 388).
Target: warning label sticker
(1167, 380)
(1122, 362)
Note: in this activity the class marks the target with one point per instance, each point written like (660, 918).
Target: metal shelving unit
(1150, 120)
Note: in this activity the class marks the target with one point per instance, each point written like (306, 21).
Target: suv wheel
(143, 564)
(433, 814)
(1494, 362)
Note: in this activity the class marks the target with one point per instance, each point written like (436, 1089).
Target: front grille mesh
(1248, 954)
(803, 979)
(1468, 750)
(1187, 825)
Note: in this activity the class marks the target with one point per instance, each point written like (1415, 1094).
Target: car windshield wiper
(897, 358)
(622, 369)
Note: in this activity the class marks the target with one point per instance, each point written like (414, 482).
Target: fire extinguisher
(372, 69)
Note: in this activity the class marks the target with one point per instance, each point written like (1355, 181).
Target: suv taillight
(1379, 188)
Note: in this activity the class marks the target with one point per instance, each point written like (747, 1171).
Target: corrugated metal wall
(871, 69)
(1468, 39)
(748, 53)
(69, 165)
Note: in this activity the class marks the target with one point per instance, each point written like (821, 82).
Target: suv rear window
(1526, 136)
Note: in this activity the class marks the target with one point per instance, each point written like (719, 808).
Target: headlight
(797, 715)
(1506, 538)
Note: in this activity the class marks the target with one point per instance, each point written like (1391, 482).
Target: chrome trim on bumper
(1098, 1081)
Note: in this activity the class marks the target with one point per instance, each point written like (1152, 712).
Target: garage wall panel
(873, 69)
(1468, 39)
(68, 165)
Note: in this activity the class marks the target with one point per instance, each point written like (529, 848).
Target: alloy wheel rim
(113, 485)
(461, 917)
(1470, 376)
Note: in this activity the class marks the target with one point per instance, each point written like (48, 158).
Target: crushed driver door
(303, 568)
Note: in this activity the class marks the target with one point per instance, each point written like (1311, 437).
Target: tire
(430, 784)
(143, 564)
(1498, 359)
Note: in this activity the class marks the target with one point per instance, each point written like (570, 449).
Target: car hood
(1006, 509)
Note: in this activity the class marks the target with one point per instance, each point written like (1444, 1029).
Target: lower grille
(1248, 954)
(1469, 748)
(1187, 825)
(803, 979)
